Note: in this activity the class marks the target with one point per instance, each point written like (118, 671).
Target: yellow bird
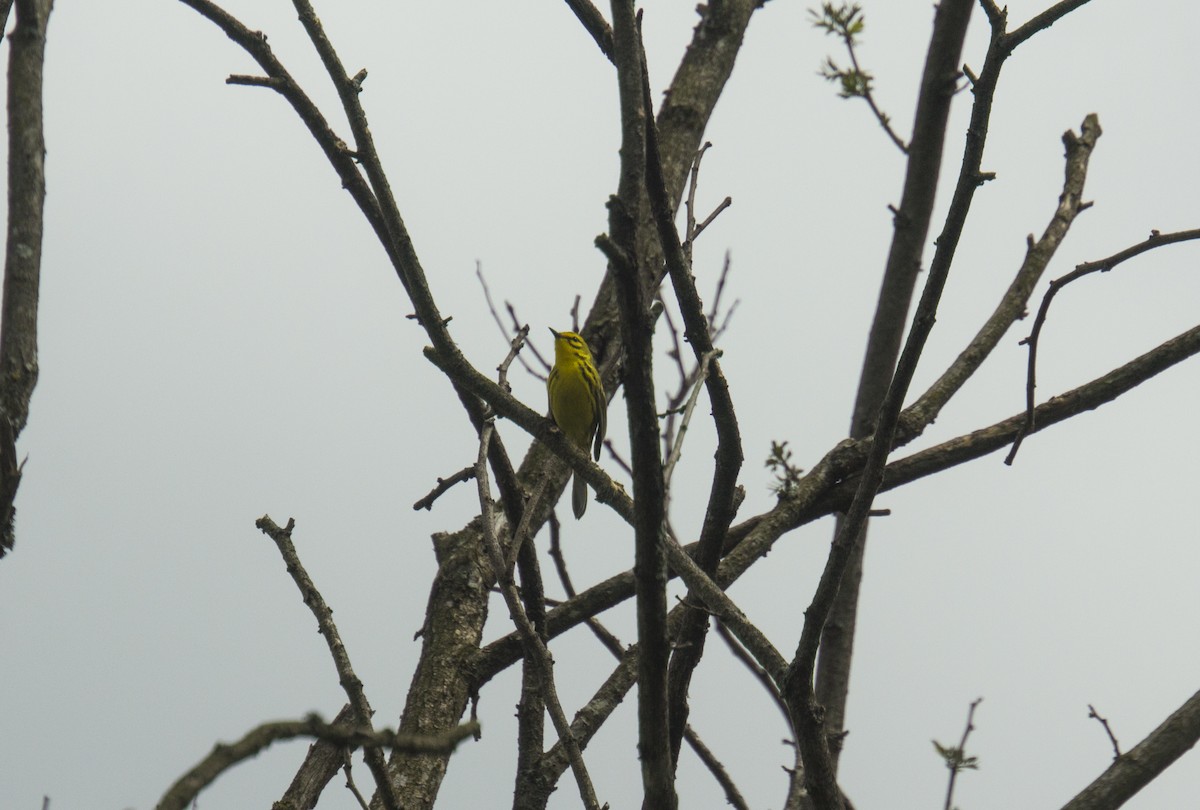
(577, 402)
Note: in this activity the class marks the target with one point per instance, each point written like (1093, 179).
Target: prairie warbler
(577, 402)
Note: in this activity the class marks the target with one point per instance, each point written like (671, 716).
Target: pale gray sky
(222, 337)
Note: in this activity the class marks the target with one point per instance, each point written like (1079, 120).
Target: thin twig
(688, 379)
(1107, 730)
(708, 220)
(716, 329)
(675, 398)
(617, 458)
(846, 22)
(491, 305)
(487, 296)
(690, 230)
(574, 313)
(353, 788)
(542, 361)
(760, 674)
(246, 80)
(1143, 763)
(521, 534)
(676, 354)
(732, 795)
(688, 410)
(602, 634)
(1042, 21)
(956, 758)
(884, 120)
(443, 485)
(341, 658)
(514, 350)
(797, 796)
(1155, 240)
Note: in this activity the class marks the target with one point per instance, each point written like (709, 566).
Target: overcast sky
(222, 337)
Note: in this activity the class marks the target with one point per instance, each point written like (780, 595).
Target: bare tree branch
(23, 247)
(225, 756)
(487, 295)
(633, 306)
(594, 713)
(351, 786)
(341, 659)
(753, 539)
(875, 413)
(831, 484)
(536, 652)
(912, 222)
(694, 90)
(676, 449)
(833, 674)
(1013, 304)
(739, 652)
(1043, 21)
(732, 795)
(1057, 409)
(721, 506)
(1103, 721)
(444, 485)
(1103, 266)
(595, 24)
(719, 603)
(460, 555)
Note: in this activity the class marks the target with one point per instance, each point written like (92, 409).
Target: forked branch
(1013, 304)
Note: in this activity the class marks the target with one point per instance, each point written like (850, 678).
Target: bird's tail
(579, 496)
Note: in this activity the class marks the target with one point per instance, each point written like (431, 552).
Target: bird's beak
(556, 334)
